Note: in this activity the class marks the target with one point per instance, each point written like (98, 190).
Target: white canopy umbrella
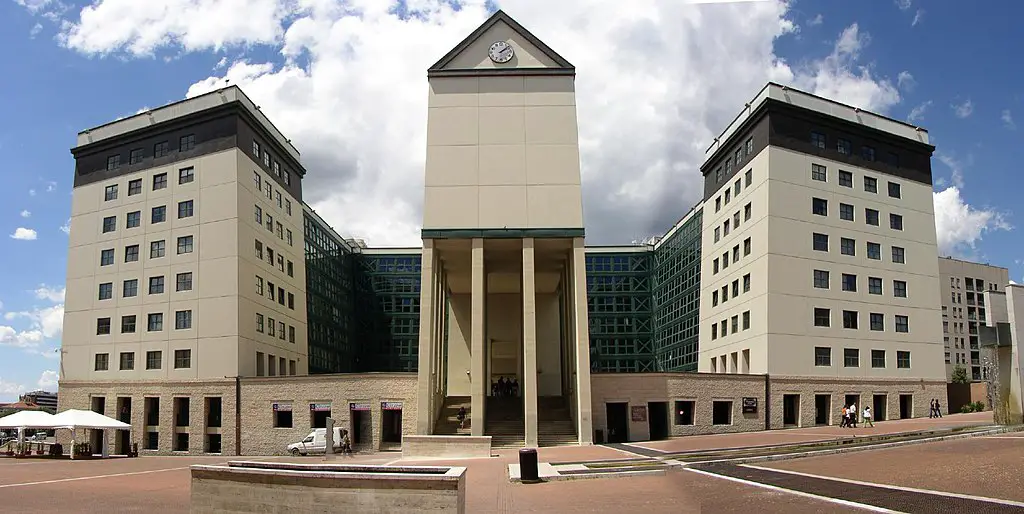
(74, 419)
(28, 419)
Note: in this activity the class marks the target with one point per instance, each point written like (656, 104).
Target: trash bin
(599, 436)
(528, 466)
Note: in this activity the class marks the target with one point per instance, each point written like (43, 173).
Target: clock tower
(503, 296)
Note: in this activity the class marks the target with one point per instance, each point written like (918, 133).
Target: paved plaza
(906, 477)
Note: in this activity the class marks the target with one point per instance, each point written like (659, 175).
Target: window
(155, 322)
(867, 153)
(735, 253)
(113, 163)
(718, 233)
(736, 219)
(874, 251)
(270, 255)
(821, 242)
(131, 253)
(718, 204)
(185, 209)
(870, 184)
(818, 140)
(894, 190)
(184, 244)
(746, 246)
(160, 149)
(183, 281)
(106, 290)
(259, 323)
(898, 255)
(287, 179)
(748, 178)
(134, 187)
(258, 215)
(182, 359)
(135, 157)
(127, 361)
(291, 301)
(186, 175)
(851, 357)
(844, 147)
(847, 246)
(269, 189)
(255, 148)
(735, 288)
(159, 214)
(874, 285)
(280, 330)
(109, 224)
(728, 194)
(849, 282)
(102, 326)
(819, 173)
(902, 324)
(714, 298)
(291, 269)
(846, 212)
(899, 288)
(156, 285)
(182, 320)
(902, 359)
(738, 156)
(110, 193)
(280, 204)
(259, 250)
(749, 145)
(822, 317)
(102, 362)
(134, 219)
(895, 221)
(288, 207)
(819, 206)
(107, 257)
(259, 285)
(266, 158)
(878, 325)
(721, 412)
(746, 320)
(821, 279)
(154, 359)
(130, 288)
(715, 266)
(845, 178)
(736, 188)
(725, 260)
(156, 249)
(850, 319)
(735, 324)
(280, 295)
(127, 324)
(747, 211)
(270, 223)
(271, 327)
(871, 217)
(822, 356)
(280, 230)
(186, 143)
(877, 358)
(728, 165)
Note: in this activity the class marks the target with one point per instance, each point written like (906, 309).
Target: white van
(316, 442)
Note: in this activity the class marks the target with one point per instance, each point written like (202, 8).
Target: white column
(584, 418)
(478, 381)
(424, 404)
(529, 343)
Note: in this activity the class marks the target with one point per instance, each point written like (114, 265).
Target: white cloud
(31, 192)
(24, 234)
(1007, 118)
(49, 293)
(25, 213)
(20, 339)
(66, 228)
(36, 29)
(51, 186)
(47, 379)
(903, 4)
(635, 107)
(10, 388)
(815, 21)
(918, 16)
(959, 226)
(963, 110)
(905, 81)
(917, 113)
(34, 6)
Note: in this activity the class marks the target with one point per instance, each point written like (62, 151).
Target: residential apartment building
(961, 285)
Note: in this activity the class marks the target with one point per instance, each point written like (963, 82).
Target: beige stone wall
(922, 392)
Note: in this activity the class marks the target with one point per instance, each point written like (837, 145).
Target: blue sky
(316, 68)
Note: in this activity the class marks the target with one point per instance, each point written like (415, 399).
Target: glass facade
(329, 300)
(388, 310)
(677, 296)
(620, 312)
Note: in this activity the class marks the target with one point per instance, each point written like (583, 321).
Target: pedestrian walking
(938, 409)
(461, 416)
(867, 417)
(845, 419)
(853, 415)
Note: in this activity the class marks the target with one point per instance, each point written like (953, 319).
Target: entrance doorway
(618, 422)
(878, 404)
(391, 422)
(657, 420)
(822, 409)
(122, 444)
(96, 439)
(906, 406)
(362, 431)
(504, 365)
(791, 410)
(854, 399)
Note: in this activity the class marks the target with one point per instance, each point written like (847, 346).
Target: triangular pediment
(531, 55)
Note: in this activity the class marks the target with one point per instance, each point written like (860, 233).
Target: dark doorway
(361, 431)
(791, 410)
(822, 409)
(854, 399)
(96, 439)
(391, 424)
(618, 422)
(878, 404)
(906, 406)
(657, 420)
(122, 444)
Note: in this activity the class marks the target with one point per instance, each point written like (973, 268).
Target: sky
(656, 81)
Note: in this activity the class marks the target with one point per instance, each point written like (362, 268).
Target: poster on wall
(320, 407)
(391, 405)
(750, 405)
(639, 413)
(359, 406)
(282, 407)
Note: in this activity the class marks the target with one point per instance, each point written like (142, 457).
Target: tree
(960, 375)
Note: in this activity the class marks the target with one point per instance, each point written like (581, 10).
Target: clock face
(501, 52)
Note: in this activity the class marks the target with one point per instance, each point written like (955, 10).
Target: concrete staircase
(448, 421)
(554, 424)
(505, 422)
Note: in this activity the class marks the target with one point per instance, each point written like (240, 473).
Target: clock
(500, 52)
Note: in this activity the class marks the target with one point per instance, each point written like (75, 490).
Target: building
(41, 398)
(963, 284)
(729, 322)
(1001, 352)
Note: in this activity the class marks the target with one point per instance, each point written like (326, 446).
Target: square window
(113, 163)
(184, 244)
(874, 285)
(135, 157)
(746, 283)
(182, 359)
(160, 149)
(106, 290)
(878, 358)
(186, 175)
(159, 214)
(102, 362)
(109, 224)
(159, 181)
(895, 221)
(821, 279)
(131, 253)
(870, 184)
(819, 173)
(130, 288)
(894, 190)
(748, 178)
(902, 323)
(847, 246)
(845, 178)
(747, 211)
(849, 282)
(134, 219)
(183, 281)
(818, 140)
(749, 146)
(902, 359)
(850, 319)
(110, 193)
(135, 187)
(721, 411)
(156, 249)
(127, 324)
(819, 206)
(182, 320)
(185, 209)
(851, 357)
(156, 285)
(102, 326)
(871, 217)
(820, 242)
(874, 251)
(186, 143)
(846, 212)
(899, 288)
(127, 361)
(155, 322)
(878, 325)
(154, 359)
(867, 153)
(898, 255)
(822, 317)
(844, 147)
(107, 257)
(822, 356)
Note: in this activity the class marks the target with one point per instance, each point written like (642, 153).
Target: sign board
(749, 405)
(638, 413)
(391, 405)
(282, 407)
(359, 406)
(320, 407)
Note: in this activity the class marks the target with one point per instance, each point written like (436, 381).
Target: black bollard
(528, 466)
